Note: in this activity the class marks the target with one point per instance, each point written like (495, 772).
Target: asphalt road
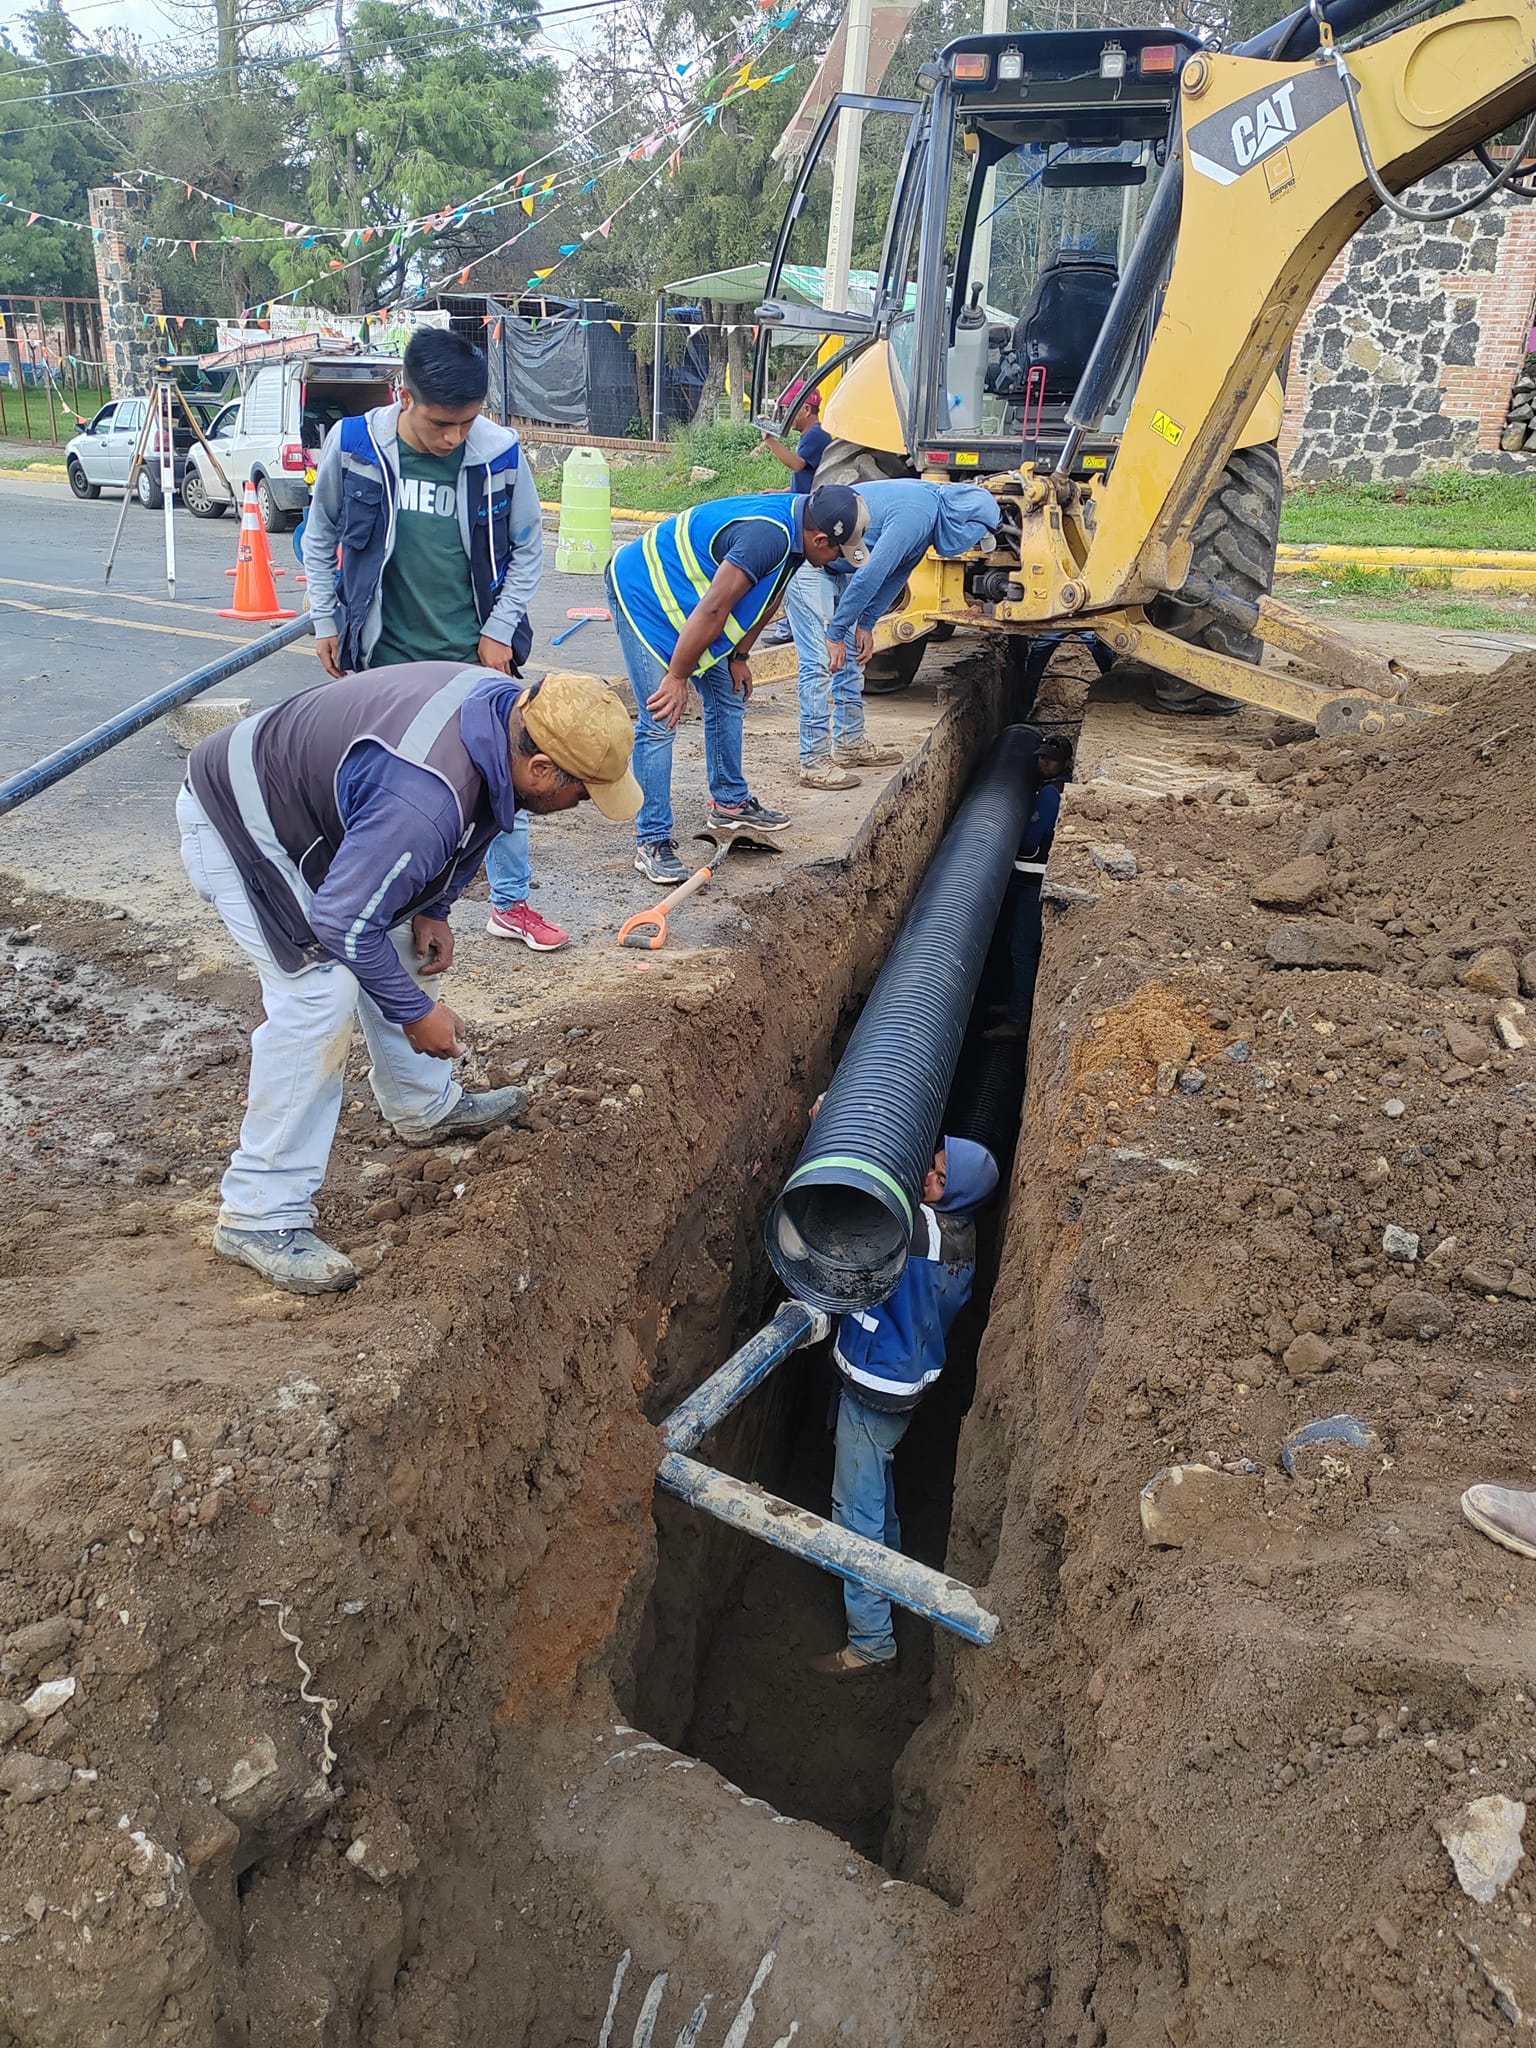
(74, 651)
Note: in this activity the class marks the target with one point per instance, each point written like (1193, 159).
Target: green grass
(13, 465)
(31, 423)
(1452, 509)
(661, 484)
(1421, 598)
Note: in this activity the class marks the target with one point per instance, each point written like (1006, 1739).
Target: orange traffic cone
(255, 592)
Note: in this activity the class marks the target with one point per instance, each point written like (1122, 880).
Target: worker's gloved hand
(329, 650)
(863, 644)
(433, 940)
(440, 1033)
(667, 700)
(495, 654)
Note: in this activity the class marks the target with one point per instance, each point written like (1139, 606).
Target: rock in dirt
(209, 1837)
(1492, 973)
(28, 1649)
(1486, 1276)
(1115, 860)
(1398, 1243)
(1414, 1313)
(1484, 1845)
(1294, 886)
(1468, 1046)
(49, 1698)
(1307, 1354)
(1320, 942)
(12, 1719)
(27, 1779)
(1181, 1502)
(382, 1849)
(242, 1797)
(1528, 973)
(38, 1344)
(1509, 1019)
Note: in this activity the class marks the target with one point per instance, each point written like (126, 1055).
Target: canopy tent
(802, 284)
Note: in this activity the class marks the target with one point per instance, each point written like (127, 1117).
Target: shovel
(648, 928)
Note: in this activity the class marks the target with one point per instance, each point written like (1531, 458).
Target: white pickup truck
(273, 433)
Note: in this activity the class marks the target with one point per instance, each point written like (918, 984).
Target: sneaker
(865, 754)
(657, 860)
(295, 1260)
(752, 813)
(826, 775)
(472, 1116)
(522, 921)
(1503, 1514)
(850, 1663)
(779, 634)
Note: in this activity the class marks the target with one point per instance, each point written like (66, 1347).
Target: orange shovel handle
(631, 932)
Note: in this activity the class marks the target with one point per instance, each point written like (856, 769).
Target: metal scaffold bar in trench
(742, 1506)
(812, 1537)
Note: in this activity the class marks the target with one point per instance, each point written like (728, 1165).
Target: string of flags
(539, 198)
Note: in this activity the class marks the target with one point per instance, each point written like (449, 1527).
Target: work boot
(472, 1116)
(752, 813)
(295, 1260)
(657, 860)
(522, 921)
(865, 754)
(850, 1663)
(826, 774)
(1503, 1514)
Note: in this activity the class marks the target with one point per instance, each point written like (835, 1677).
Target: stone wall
(1407, 357)
(131, 347)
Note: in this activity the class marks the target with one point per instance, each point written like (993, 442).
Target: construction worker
(896, 526)
(688, 602)
(441, 549)
(887, 1358)
(800, 461)
(332, 834)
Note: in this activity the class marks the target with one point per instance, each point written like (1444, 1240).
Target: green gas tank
(585, 543)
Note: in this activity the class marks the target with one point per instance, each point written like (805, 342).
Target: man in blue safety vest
(689, 601)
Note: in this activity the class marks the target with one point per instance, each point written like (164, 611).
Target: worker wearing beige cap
(332, 834)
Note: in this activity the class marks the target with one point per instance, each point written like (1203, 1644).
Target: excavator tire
(1234, 540)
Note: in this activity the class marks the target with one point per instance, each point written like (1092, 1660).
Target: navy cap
(842, 515)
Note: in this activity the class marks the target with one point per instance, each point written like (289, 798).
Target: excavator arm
(1274, 186)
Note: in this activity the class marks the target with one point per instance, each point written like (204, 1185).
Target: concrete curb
(1498, 569)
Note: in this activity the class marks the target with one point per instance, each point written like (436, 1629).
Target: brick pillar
(131, 346)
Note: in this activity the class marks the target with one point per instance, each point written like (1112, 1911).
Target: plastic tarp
(566, 366)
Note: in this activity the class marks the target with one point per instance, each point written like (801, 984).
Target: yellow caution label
(966, 455)
(1095, 462)
(1170, 430)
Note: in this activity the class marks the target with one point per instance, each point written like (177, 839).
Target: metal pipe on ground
(31, 782)
(944, 1600)
(839, 1233)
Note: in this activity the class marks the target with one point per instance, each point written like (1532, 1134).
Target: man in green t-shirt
(440, 535)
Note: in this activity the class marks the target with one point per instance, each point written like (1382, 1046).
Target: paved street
(73, 652)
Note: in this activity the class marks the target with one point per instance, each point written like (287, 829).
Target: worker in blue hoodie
(887, 1358)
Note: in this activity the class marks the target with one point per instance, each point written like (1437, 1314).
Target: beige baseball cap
(580, 722)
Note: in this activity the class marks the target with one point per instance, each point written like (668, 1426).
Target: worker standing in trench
(887, 1358)
(333, 833)
(441, 540)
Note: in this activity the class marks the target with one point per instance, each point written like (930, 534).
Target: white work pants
(299, 1055)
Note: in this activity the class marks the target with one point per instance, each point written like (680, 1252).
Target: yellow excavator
(1097, 247)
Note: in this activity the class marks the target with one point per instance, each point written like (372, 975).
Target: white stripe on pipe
(645, 2026)
(619, 1975)
(741, 2026)
(695, 2026)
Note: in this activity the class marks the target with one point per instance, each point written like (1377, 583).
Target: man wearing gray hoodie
(425, 542)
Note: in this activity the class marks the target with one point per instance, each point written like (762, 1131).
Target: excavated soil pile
(1276, 1171)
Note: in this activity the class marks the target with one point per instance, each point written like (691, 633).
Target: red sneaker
(522, 921)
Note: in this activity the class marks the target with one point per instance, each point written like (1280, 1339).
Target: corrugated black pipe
(838, 1234)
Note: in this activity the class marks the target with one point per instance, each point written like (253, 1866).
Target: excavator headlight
(1010, 66)
(1112, 61)
(969, 67)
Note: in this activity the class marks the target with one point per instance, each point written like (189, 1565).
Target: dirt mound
(1277, 1170)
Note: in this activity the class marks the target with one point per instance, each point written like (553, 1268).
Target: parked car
(102, 454)
(278, 427)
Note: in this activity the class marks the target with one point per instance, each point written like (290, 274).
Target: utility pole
(845, 164)
(994, 19)
(354, 278)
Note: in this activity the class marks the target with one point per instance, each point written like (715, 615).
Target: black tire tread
(1234, 542)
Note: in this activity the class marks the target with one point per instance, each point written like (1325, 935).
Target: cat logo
(1226, 144)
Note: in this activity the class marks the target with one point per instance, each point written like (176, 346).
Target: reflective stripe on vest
(679, 566)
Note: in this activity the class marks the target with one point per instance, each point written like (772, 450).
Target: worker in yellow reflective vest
(689, 601)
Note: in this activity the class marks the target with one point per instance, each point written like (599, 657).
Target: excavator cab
(1010, 197)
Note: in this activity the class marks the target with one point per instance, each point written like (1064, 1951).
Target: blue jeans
(508, 866)
(831, 706)
(725, 712)
(864, 1500)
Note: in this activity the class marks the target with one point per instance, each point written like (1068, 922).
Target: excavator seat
(1058, 328)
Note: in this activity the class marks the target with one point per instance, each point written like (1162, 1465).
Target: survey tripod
(166, 396)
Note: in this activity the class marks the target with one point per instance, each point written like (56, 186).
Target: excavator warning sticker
(1170, 430)
(1224, 145)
